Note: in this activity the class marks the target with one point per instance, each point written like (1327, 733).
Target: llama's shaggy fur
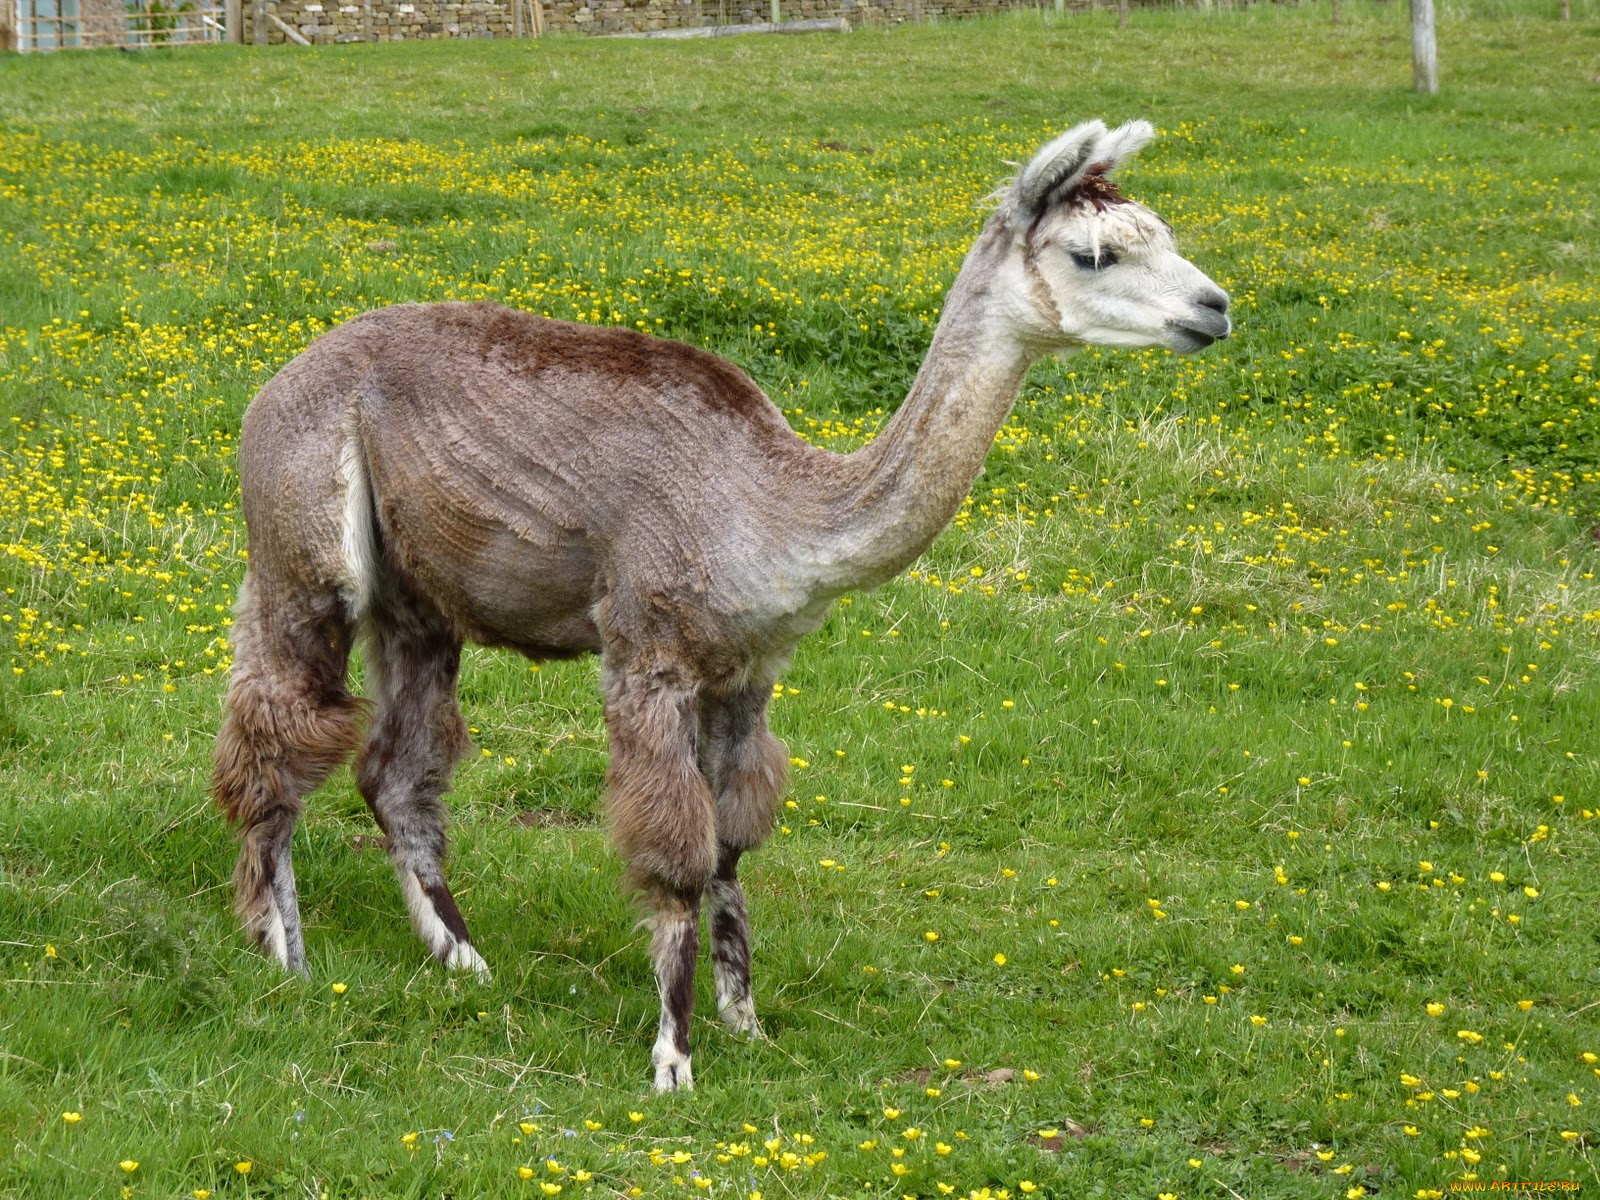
(429, 475)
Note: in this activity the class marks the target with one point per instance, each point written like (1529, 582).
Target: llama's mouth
(1204, 326)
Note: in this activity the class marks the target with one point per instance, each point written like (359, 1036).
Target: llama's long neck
(907, 484)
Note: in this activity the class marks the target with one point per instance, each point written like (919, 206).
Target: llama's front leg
(662, 820)
(747, 767)
(674, 947)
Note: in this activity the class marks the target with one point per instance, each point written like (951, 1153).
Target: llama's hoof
(674, 1074)
(464, 956)
(740, 1017)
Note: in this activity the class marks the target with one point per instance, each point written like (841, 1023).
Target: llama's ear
(1053, 172)
(1123, 142)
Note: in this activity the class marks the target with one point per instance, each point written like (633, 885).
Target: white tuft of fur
(455, 954)
(277, 938)
(674, 1073)
(464, 956)
(357, 541)
(739, 1015)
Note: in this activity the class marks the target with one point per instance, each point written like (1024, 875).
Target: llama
(428, 475)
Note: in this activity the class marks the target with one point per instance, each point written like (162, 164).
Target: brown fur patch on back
(535, 344)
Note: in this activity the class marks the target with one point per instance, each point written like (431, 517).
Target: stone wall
(323, 21)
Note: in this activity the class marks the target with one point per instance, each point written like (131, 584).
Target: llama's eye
(1089, 262)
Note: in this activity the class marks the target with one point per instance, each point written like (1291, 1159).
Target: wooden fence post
(1424, 48)
(1122, 14)
(233, 21)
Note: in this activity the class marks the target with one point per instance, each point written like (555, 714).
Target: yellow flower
(1325, 1155)
(890, 1114)
(931, 936)
(1030, 1076)
(1435, 1009)
(1258, 1022)
(1532, 893)
(340, 989)
(942, 1148)
(72, 1118)
(999, 960)
(243, 1167)
(1524, 1005)
(1412, 1131)
(550, 1189)
(635, 1117)
(1196, 1163)
(201, 1194)
(591, 1126)
(1027, 1185)
(1241, 905)
(1146, 1122)
(527, 1127)
(525, 1172)
(1209, 999)
(410, 1139)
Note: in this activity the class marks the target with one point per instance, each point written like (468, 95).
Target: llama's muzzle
(1206, 322)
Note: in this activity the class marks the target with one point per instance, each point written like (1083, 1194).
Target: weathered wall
(393, 20)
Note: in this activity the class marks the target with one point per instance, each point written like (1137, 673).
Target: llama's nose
(1216, 300)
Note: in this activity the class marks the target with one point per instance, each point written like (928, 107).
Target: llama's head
(1093, 267)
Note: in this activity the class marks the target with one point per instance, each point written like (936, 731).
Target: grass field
(1237, 742)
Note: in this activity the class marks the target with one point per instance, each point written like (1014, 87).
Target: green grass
(1320, 601)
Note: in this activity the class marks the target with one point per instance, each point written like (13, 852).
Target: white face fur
(1097, 269)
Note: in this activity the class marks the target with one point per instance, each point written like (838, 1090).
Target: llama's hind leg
(747, 768)
(662, 819)
(289, 723)
(416, 739)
